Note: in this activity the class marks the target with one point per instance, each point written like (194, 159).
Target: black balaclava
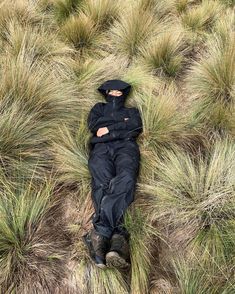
(115, 102)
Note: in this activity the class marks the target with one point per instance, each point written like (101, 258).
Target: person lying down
(113, 162)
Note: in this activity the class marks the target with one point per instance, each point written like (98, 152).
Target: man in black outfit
(114, 166)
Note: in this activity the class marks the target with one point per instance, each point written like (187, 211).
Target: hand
(126, 118)
(102, 131)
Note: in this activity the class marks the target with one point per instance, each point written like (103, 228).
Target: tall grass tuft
(21, 11)
(202, 185)
(141, 235)
(64, 8)
(82, 33)
(133, 29)
(211, 83)
(193, 276)
(70, 151)
(91, 73)
(165, 125)
(33, 243)
(228, 3)
(182, 5)
(102, 12)
(87, 278)
(35, 42)
(165, 55)
(32, 107)
(160, 8)
(196, 198)
(200, 19)
(194, 201)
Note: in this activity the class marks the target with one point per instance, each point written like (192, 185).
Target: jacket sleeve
(94, 115)
(96, 120)
(134, 123)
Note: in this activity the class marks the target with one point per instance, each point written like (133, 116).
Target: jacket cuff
(111, 127)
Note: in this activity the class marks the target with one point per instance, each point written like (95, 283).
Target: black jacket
(112, 114)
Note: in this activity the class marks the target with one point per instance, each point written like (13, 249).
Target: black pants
(114, 167)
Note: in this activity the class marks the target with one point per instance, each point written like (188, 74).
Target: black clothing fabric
(114, 159)
(112, 114)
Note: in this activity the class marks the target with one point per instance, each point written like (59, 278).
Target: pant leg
(102, 170)
(122, 186)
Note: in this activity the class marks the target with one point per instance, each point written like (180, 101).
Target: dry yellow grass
(179, 57)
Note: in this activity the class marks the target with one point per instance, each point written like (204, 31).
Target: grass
(164, 124)
(102, 12)
(81, 32)
(140, 246)
(133, 29)
(211, 83)
(165, 56)
(200, 19)
(64, 8)
(195, 277)
(178, 55)
(28, 249)
(161, 9)
(69, 150)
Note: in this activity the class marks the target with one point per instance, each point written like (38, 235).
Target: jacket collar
(115, 102)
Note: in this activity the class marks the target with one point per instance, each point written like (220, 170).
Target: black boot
(98, 246)
(119, 254)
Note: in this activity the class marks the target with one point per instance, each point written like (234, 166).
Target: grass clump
(165, 56)
(32, 247)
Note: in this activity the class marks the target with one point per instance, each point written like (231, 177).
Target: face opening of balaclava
(116, 102)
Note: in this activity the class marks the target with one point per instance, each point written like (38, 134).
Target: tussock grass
(165, 126)
(90, 279)
(36, 42)
(22, 11)
(160, 285)
(82, 33)
(31, 253)
(195, 200)
(183, 5)
(32, 107)
(224, 27)
(23, 142)
(134, 27)
(165, 55)
(229, 3)
(71, 150)
(89, 74)
(213, 75)
(64, 8)
(200, 19)
(178, 55)
(195, 197)
(194, 276)
(161, 8)
(38, 90)
(102, 12)
(140, 245)
(141, 81)
(211, 82)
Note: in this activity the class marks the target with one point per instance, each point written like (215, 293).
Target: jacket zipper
(113, 105)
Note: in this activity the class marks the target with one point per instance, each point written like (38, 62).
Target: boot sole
(88, 244)
(113, 259)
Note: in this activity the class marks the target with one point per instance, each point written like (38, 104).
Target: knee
(123, 181)
(102, 185)
(129, 175)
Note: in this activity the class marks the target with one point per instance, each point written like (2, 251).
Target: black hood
(115, 85)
